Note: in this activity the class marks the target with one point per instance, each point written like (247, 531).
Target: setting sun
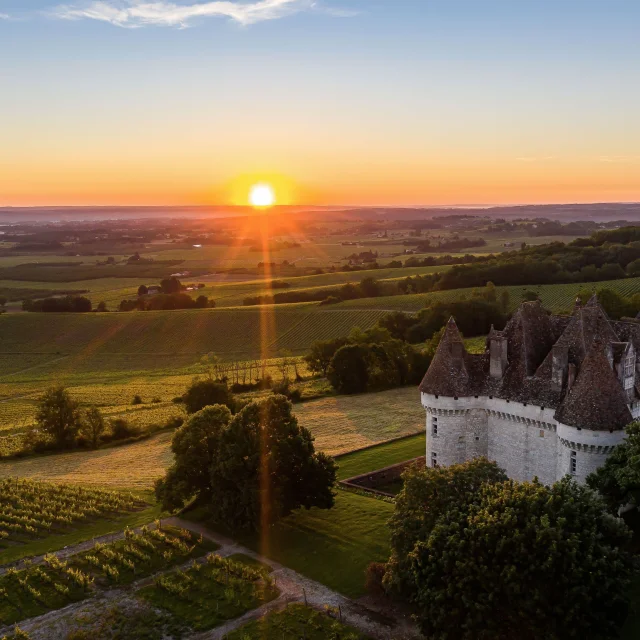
(262, 195)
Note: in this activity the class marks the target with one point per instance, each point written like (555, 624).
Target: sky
(344, 102)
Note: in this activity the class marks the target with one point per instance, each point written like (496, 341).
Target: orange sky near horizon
(499, 181)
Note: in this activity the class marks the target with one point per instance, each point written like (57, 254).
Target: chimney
(560, 355)
(497, 355)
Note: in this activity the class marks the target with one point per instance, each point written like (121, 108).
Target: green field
(555, 297)
(339, 424)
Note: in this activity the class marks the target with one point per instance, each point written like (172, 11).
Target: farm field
(188, 595)
(55, 583)
(295, 621)
(226, 294)
(557, 298)
(172, 339)
(339, 424)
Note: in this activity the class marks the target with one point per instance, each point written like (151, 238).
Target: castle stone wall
(523, 439)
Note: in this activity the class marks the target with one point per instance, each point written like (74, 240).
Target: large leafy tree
(516, 560)
(59, 417)
(267, 466)
(618, 480)
(194, 444)
(252, 469)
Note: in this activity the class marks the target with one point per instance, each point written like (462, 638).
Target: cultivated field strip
(339, 424)
(555, 297)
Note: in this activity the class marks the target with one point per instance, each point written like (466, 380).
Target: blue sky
(394, 101)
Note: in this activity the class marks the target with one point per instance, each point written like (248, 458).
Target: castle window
(574, 463)
(434, 459)
(434, 426)
(628, 383)
(542, 433)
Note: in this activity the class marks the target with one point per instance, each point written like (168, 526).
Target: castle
(550, 396)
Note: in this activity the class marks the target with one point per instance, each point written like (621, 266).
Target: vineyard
(30, 509)
(170, 339)
(209, 593)
(55, 583)
(296, 621)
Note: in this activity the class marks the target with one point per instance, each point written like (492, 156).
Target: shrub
(373, 578)
(121, 429)
(136, 400)
(205, 393)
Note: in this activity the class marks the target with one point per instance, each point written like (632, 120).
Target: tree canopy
(483, 558)
(250, 469)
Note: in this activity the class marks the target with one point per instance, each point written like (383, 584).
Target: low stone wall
(374, 479)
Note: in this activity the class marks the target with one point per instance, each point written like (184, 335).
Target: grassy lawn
(205, 595)
(332, 546)
(296, 621)
(380, 456)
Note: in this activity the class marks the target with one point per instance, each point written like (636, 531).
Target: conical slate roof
(596, 400)
(586, 343)
(448, 374)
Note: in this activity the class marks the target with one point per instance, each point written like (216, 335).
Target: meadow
(339, 424)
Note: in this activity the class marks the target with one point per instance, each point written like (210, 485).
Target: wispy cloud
(139, 13)
(4, 16)
(619, 159)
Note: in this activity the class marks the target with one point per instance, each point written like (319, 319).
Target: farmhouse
(550, 396)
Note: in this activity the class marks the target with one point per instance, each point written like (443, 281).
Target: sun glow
(262, 195)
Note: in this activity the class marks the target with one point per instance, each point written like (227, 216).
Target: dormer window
(629, 366)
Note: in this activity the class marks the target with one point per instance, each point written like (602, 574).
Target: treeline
(454, 244)
(64, 304)
(166, 302)
(383, 357)
(369, 360)
(584, 260)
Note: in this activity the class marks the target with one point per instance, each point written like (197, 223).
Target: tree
(170, 285)
(370, 287)
(266, 467)
(319, 358)
(503, 560)
(143, 290)
(618, 479)
(194, 446)
(203, 393)
(250, 470)
(202, 302)
(58, 416)
(348, 371)
(102, 307)
(426, 495)
(93, 426)
(3, 301)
